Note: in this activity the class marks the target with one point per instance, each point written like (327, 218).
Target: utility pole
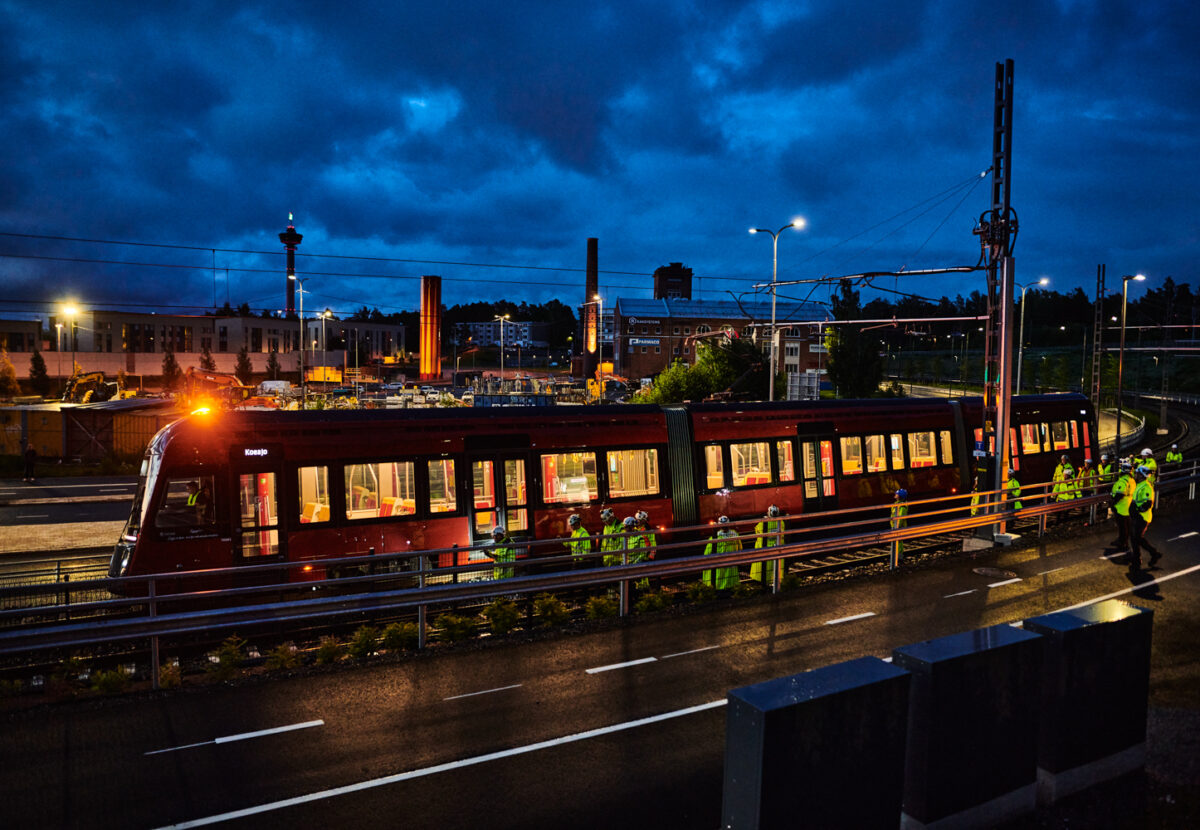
(1097, 334)
(997, 230)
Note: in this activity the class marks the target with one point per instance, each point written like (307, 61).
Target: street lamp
(502, 318)
(58, 341)
(70, 310)
(1021, 346)
(303, 338)
(1121, 358)
(796, 223)
(325, 315)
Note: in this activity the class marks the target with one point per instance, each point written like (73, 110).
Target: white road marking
(446, 767)
(1005, 582)
(1052, 570)
(1184, 536)
(484, 692)
(850, 619)
(1132, 588)
(683, 653)
(245, 736)
(599, 669)
(959, 594)
(35, 516)
(1112, 555)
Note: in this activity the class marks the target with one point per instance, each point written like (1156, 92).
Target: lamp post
(795, 223)
(1021, 347)
(325, 315)
(303, 339)
(58, 342)
(1121, 355)
(502, 319)
(70, 310)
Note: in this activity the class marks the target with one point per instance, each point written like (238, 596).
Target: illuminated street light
(325, 315)
(502, 318)
(1121, 359)
(303, 338)
(796, 223)
(1021, 347)
(71, 310)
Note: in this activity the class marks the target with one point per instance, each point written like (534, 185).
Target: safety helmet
(630, 522)
(1103, 456)
(901, 493)
(1125, 465)
(1064, 459)
(773, 511)
(498, 530)
(1174, 446)
(1087, 462)
(642, 516)
(1011, 472)
(723, 520)
(607, 515)
(1146, 453)
(573, 520)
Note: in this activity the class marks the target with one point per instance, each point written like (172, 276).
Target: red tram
(223, 489)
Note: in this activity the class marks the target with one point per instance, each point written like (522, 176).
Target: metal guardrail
(447, 586)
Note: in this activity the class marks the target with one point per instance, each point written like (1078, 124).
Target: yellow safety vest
(772, 536)
(723, 542)
(1122, 492)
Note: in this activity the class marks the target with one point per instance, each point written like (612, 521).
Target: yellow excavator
(92, 387)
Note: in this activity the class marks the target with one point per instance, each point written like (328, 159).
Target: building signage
(633, 320)
(644, 341)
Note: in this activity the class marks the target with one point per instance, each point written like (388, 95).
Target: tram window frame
(1073, 434)
(785, 460)
(321, 512)
(1060, 437)
(650, 466)
(452, 504)
(714, 477)
(761, 450)
(1026, 433)
(356, 512)
(568, 489)
(945, 447)
(875, 453)
(896, 450)
(852, 455)
(174, 515)
(919, 460)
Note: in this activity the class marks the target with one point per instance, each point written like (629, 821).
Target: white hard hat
(723, 520)
(1146, 452)
(773, 511)
(630, 521)
(498, 530)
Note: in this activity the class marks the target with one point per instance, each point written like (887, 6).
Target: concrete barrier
(1095, 688)
(820, 749)
(971, 757)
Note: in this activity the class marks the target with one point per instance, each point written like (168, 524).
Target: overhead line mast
(997, 232)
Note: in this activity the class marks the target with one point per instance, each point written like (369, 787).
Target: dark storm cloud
(509, 133)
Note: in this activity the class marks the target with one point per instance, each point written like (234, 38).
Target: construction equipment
(91, 387)
(204, 388)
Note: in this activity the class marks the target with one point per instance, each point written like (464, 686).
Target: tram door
(499, 497)
(817, 466)
(257, 534)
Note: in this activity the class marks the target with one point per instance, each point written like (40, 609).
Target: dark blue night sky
(487, 141)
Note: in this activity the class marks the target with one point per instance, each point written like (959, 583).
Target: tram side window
(947, 446)
(633, 473)
(1031, 439)
(750, 463)
(852, 460)
(443, 496)
(784, 455)
(314, 494)
(1058, 433)
(896, 445)
(1073, 431)
(569, 477)
(516, 515)
(714, 467)
(187, 502)
(876, 453)
(921, 451)
(386, 489)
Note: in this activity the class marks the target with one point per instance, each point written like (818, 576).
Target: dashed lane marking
(1004, 582)
(1052, 570)
(245, 736)
(484, 692)
(1132, 588)
(626, 665)
(850, 619)
(447, 767)
(1185, 536)
(1116, 555)
(685, 653)
(959, 594)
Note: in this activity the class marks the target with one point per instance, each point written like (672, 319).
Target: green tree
(8, 376)
(273, 368)
(244, 369)
(854, 365)
(39, 378)
(207, 363)
(171, 373)
(724, 368)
